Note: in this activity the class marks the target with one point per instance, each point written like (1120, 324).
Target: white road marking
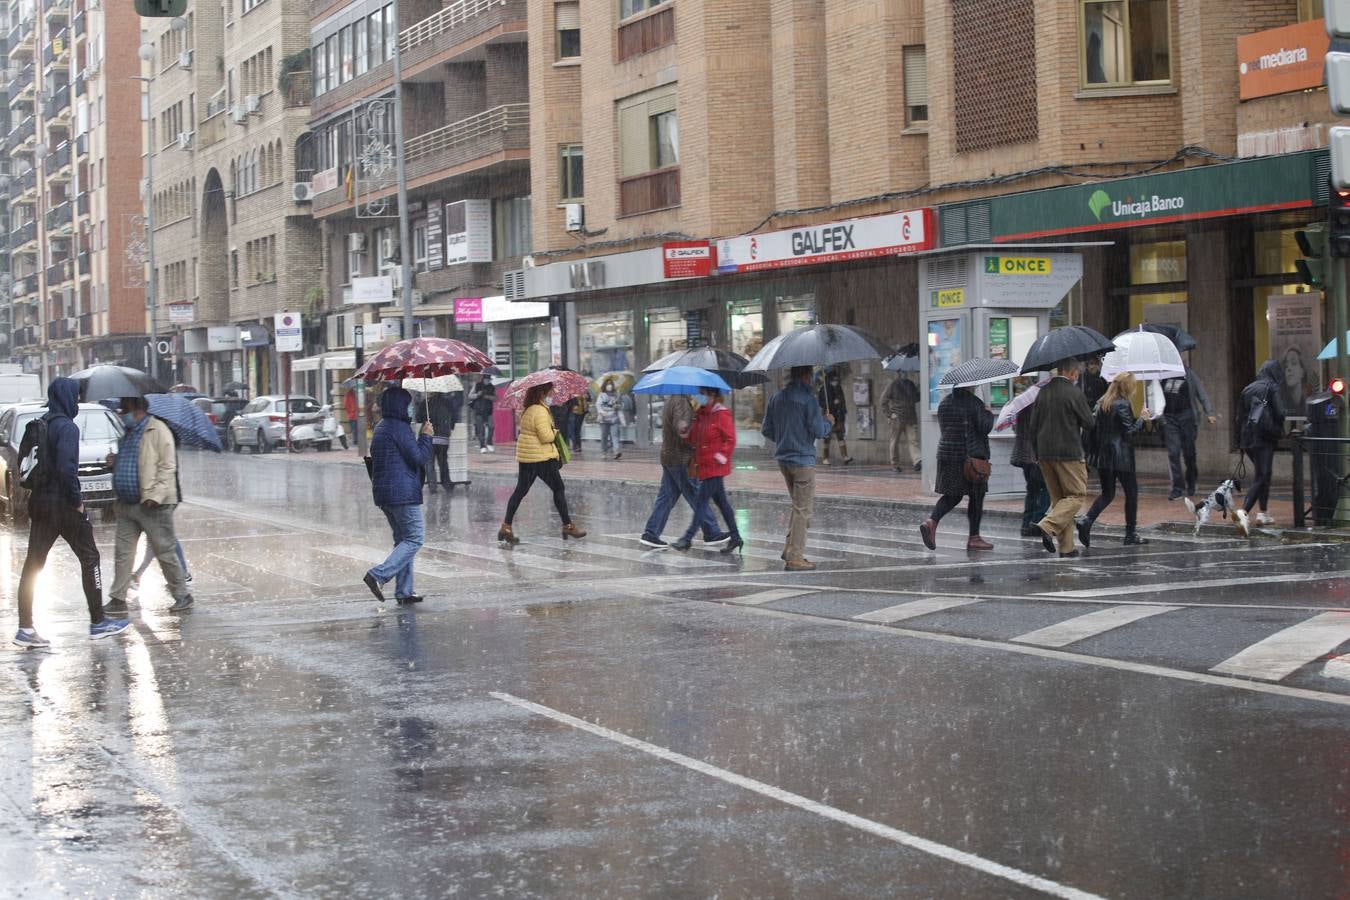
(422, 566)
(513, 557)
(256, 566)
(750, 550)
(1338, 667)
(1061, 634)
(1284, 652)
(771, 596)
(1117, 590)
(869, 826)
(915, 608)
(671, 558)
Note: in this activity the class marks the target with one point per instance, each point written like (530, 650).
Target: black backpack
(1260, 419)
(34, 468)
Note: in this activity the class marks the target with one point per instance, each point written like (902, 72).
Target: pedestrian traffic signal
(1312, 243)
(161, 9)
(1338, 242)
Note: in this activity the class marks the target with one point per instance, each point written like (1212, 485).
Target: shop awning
(328, 362)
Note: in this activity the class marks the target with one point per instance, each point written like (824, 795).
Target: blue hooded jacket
(397, 458)
(63, 444)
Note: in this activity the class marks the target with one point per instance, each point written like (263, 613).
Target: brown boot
(799, 565)
(572, 531)
(506, 536)
(978, 543)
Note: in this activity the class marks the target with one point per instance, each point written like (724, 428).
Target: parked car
(222, 413)
(262, 423)
(100, 431)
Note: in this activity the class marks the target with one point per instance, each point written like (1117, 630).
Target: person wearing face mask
(607, 409)
(831, 397)
(713, 437)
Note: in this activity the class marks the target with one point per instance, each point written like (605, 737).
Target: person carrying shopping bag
(713, 438)
(538, 457)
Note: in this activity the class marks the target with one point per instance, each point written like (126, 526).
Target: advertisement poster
(998, 349)
(944, 352)
(1295, 322)
(867, 423)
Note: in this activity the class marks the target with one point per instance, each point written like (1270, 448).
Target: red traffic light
(1337, 386)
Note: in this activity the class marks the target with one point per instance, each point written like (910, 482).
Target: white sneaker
(1240, 518)
(482, 449)
(491, 448)
(1264, 519)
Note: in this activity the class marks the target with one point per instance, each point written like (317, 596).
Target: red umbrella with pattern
(566, 385)
(424, 357)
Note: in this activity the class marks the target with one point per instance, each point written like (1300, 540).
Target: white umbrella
(1013, 408)
(442, 384)
(1147, 355)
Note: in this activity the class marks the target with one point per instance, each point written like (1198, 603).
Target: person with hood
(1114, 459)
(397, 460)
(713, 437)
(442, 411)
(482, 401)
(1058, 419)
(56, 510)
(537, 459)
(607, 410)
(964, 422)
(1179, 426)
(1261, 414)
(832, 402)
(145, 480)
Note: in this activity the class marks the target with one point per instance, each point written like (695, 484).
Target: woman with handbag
(1113, 456)
(538, 456)
(713, 437)
(962, 464)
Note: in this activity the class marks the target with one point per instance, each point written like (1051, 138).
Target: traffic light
(161, 9)
(1312, 243)
(1338, 241)
(1337, 386)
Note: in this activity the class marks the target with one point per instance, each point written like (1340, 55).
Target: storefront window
(798, 311)
(1160, 263)
(746, 321)
(944, 352)
(1287, 320)
(531, 348)
(606, 343)
(666, 334)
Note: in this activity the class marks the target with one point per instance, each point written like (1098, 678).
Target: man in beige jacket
(145, 480)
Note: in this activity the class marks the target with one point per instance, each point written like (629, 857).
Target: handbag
(975, 470)
(564, 449)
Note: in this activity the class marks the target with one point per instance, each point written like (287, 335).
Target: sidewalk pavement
(758, 473)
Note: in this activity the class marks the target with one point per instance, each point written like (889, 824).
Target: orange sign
(1281, 60)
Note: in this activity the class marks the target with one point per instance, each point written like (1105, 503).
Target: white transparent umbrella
(1149, 356)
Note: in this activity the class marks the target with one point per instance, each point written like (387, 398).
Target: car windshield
(299, 405)
(98, 425)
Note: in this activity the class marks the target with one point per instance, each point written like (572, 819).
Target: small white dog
(1221, 501)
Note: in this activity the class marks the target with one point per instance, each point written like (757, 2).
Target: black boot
(1085, 531)
(1134, 540)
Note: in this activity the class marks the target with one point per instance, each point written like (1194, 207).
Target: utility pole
(404, 232)
(1338, 92)
(147, 53)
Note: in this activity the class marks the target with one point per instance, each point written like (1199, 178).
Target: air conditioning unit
(239, 114)
(252, 103)
(356, 242)
(93, 66)
(386, 249)
(185, 59)
(396, 277)
(302, 192)
(573, 217)
(185, 140)
(513, 284)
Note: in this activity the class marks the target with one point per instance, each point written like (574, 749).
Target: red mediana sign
(688, 259)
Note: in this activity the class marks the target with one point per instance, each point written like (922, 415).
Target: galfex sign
(888, 235)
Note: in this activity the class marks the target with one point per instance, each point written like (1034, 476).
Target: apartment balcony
(81, 84)
(4, 242)
(21, 80)
(78, 26)
(56, 108)
(456, 23)
(82, 265)
(25, 337)
(300, 92)
(24, 234)
(649, 192)
(22, 136)
(87, 325)
(59, 273)
(59, 218)
(82, 146)
(60, 330)
(21, 40)
(82, 204)
(58, 162)
(56, 11)
(23, 183)
(475, 142)
(57, 49)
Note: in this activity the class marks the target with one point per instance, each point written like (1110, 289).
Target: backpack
(1260, 419)
(34, 469)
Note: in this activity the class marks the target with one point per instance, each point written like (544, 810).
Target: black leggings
(1130, 484)
(549, 472)
(1263, 463)
(974, 510)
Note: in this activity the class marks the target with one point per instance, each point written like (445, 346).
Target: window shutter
(662, 103)
(567, 16)
(916, 76)
(634, 158)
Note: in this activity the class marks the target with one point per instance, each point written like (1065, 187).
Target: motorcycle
(319, 434)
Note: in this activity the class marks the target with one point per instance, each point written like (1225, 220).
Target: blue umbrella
(188, 423)
(1329, 351)
(680, 380)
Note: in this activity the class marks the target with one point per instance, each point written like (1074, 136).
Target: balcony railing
(58, 104)
(649, 191)
(20, 35)
(59, 330)
(24, 182)
(4, 241)
(82, 145)
(77, 25)
(451, 16)
(22, 133)
(23, 78)
(24, 233)
(59, 216)
(466, 131)
(82, 204)
(60, 158)
(58, 47)
(59, 273)
(216, 104)
(646, 34)
(87, 325)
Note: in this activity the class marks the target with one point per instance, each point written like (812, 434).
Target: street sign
(289, 334)
(373, 289)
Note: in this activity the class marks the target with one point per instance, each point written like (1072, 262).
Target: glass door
(746, 322)
(666, 334)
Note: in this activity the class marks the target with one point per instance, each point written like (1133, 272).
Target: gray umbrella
(111, 382)
(819, 345)
(978, 371)
(730, 366)
(1069, 342)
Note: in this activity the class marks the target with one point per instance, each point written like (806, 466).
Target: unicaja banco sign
(1133, 208)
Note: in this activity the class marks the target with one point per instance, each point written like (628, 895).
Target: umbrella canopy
(623, 381)
(1148, 354)
(1065, 343)
(818, 345)
(566, 385)
(906, 359)
(680, 380)
(183, 389)
(1179, 336)
(978, 371)
(185, 419)
(110, 382)
(1011, 410)
(442, 384)
(726, 364)
(423, 357)
(235, 387)
(1329, 351)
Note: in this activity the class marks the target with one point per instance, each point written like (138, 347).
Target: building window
(633, 7)
(571, 172)
(419, 242)
(1308, 10)
(916, 86)
(1126, 42)
(567, 20)
(511, 227)
(648, 132)
(362, 33)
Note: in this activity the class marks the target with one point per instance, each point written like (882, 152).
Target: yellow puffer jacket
(535, 444)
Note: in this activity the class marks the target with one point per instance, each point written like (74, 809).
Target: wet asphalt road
(592, 720)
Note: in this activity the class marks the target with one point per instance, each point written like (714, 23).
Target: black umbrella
(819, 345)
(724, 363)
(906, 359)
(1070, 342)
(1175, 333)
(235, 387)
(109, 382)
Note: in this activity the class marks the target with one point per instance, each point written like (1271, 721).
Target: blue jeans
(406, 522)
(150, 557)
(675, 483)
(607, 442)
(711, 491)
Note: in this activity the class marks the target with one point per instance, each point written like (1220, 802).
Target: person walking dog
(1180, 425)
(1115, 431)
(537, 459)
(794, 422)
(1261, 414)
(1058, 419)
(962, 464)
(397, 461)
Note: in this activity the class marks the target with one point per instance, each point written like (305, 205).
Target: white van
(17, 387)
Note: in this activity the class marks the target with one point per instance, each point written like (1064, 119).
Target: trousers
(675, 483)
(409, 532)
(1066, 479)
(1037, 502)
(711, 492)
(801, 485)
(156, 524)
(1130, 484)
(1263, 464)
(440, 457)
(909, 436)
(150, 557)
(1179, 433)
(974, 510)
(49, 520)
(550, 473)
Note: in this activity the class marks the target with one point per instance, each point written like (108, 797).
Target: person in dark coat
(1058, 420)
(1180, 425)
(965, 423)
(832, 401)
(482, 401)
(1094, 386)
(1114, 460)
(1261, 414)
(443, 413)
(397, 459)
(1037, 502)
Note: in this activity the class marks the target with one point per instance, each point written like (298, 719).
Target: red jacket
(349, 404)
(713, 435)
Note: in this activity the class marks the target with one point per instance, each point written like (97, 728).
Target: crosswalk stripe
(1061, 634)
(1284, 652)
(762, 597)
(1196, 585)
(513, 558)
(914, 608)
(750, 550)
(422, 566)
(670, 558)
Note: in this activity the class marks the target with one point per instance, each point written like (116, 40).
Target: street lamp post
(147, 53)
(404, 236)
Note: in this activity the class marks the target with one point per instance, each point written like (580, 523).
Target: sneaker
(409, 600)
(115, 607)
(653, 542)
(29, 639)
(108, 628)
(491, 448)
(716, 541)
(1175, 495)
(825, 461)
(482, 449)
(1264, 519)
(1240, 520)
(918, 467)
(181, 603)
